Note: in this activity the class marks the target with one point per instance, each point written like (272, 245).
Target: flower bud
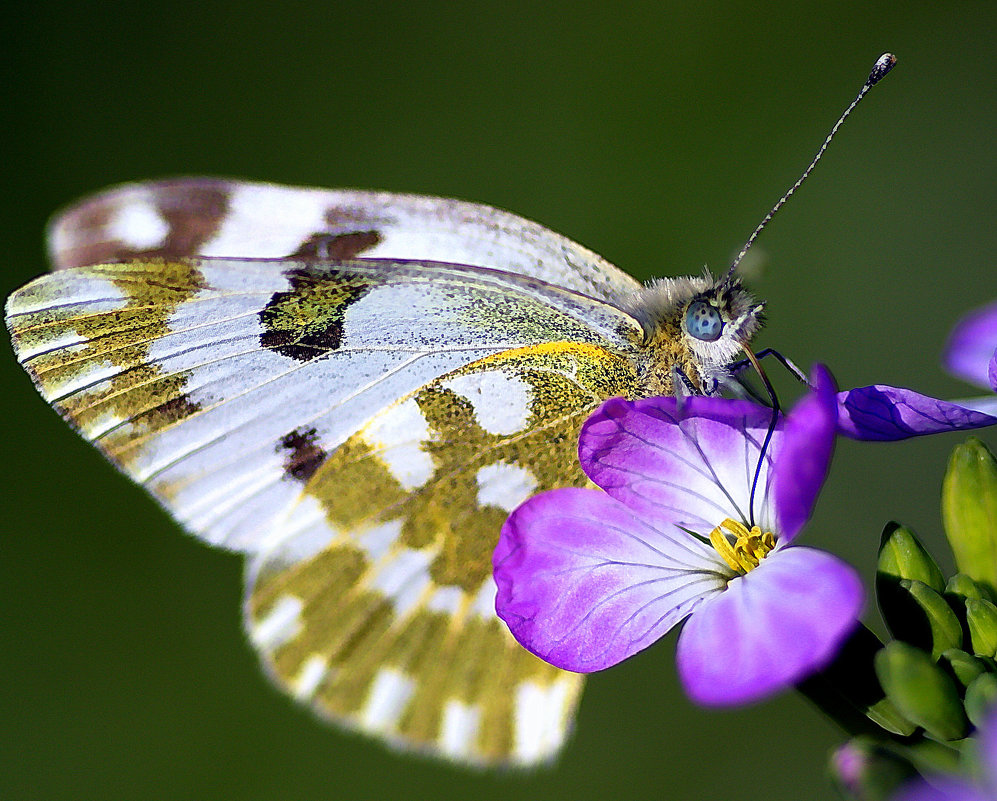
(963, 586)
(908, 587)
(921, 690)
(863, 769)
(981, 696)
(981, 616)
(969, 510)
(901, 556)
(944, 627)
(965, 667)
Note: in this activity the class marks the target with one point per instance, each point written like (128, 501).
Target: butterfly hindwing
(381, 612)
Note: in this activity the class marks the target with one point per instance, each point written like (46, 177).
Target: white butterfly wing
(198, 377)
(216, 217)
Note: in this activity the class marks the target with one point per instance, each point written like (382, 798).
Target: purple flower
(588, 578)
(882, 412)
(951, 788)
(971, 352)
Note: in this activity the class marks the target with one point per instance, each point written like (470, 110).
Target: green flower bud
(921, 690)
(981, 696)
(885, 715)
(965, 667)
(963, 586)
(969, 511)
(901, 556)
(981, 616)
(924, 618)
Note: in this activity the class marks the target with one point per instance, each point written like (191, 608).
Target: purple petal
(972, 345)
(940, 788)
(805, 456)
(992, 371)
(772, 628)
(584, 584)
(890, 413)
(688, 463)
(988, 749)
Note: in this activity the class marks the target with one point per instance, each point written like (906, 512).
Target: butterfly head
(696, 326)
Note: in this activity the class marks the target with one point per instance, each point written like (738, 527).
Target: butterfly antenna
(883, 65)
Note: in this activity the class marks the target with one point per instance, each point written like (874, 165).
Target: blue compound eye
(703, 321)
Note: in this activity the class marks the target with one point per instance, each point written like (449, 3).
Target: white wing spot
(312, 673)
(386, 701)
(396, 436)
(69, 342)
(282, 623)
(266, 221)
(377, 541)
(459, 729)
(484, 603)
(446, 600)
(541, 719)
(98, 294)
(139, 225)
(501, 401)
(504, 485)
(403, 577)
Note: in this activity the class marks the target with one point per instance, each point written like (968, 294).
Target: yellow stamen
(748, 549)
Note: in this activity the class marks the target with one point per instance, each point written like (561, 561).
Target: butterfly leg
(682, 384)
(738, 367)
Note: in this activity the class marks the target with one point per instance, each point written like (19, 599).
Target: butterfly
(354, 389)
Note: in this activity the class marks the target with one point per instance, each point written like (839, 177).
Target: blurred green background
(657, 134)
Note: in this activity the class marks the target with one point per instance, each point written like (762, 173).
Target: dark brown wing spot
(303, 456)
(307, 322)
(192, 216)
(337, 247)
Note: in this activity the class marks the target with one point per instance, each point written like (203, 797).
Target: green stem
(849, 693)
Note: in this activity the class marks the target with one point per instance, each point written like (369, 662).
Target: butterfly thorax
(694, 329)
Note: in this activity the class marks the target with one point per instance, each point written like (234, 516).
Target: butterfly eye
(703, 321)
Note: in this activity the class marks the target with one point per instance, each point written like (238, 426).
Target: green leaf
(969, 511)
(921, 690)
(981, 696)
(981, 616)
(885, 714)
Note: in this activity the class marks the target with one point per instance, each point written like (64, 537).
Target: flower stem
(849, 693)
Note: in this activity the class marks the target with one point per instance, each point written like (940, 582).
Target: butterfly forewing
(192, 375)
